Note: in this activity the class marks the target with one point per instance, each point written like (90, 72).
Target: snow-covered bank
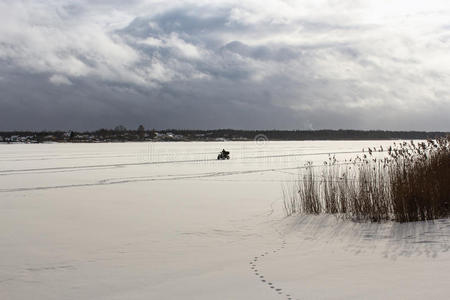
(168, 221)
(328, 258)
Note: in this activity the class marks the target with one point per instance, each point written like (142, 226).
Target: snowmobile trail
(164, 177)
(7, 172)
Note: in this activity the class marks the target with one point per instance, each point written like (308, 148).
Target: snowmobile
(223, 155)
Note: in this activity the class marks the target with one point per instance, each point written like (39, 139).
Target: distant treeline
(299, 135)
(122, 134)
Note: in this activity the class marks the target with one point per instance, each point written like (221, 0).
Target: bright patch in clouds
(59, 80)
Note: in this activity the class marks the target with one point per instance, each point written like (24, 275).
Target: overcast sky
(312, 64)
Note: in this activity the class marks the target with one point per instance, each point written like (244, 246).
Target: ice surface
(169, 221)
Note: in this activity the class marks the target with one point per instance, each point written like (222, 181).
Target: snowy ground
(169, 221)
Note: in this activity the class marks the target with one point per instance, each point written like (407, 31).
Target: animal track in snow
(256, 261)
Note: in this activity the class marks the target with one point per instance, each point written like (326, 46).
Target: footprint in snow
(257, 259)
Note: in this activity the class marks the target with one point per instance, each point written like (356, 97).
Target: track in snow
(257, 261)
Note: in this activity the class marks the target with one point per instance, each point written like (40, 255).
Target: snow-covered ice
(169, 221)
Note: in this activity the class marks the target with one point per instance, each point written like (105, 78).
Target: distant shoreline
(217, 135)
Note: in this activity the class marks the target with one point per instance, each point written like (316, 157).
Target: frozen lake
(169, 221)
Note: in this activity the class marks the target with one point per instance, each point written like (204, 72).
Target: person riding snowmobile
(224, 154)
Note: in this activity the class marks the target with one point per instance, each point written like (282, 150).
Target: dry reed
(411, 184)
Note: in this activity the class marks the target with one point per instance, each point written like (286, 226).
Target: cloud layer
(225, 64)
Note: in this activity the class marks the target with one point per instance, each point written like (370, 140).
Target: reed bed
(412, 183)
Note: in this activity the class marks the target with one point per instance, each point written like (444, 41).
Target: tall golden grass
(412, 183)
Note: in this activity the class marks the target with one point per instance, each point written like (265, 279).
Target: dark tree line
(120, 133)
(312, 134)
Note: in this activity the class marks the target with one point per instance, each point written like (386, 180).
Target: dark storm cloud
(313, 64)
